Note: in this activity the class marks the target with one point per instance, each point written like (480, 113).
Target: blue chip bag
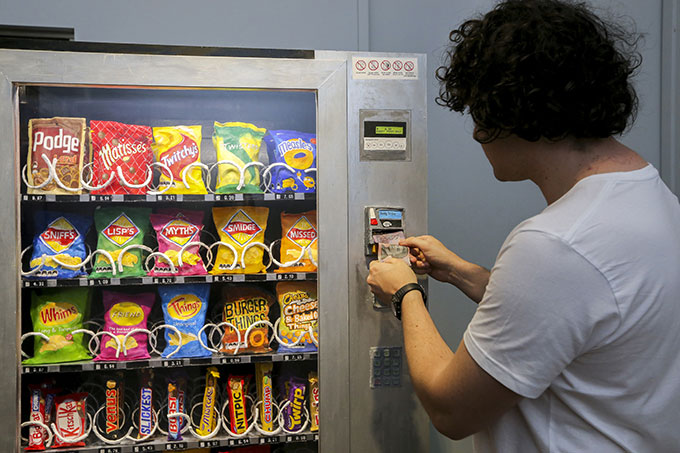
(62, 236)
(297, 150)
(185, 307)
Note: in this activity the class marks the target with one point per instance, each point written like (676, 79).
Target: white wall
(469, 210)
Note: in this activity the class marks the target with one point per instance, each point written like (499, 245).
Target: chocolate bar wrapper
(146, 415)
(114, 398)
(293, 415)
(70, 419)
(314, 401)
(263, 376)
(236, 389)
(174, 424)
(36, 435)
(207, 423)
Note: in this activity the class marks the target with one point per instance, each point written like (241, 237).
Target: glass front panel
(169, 267)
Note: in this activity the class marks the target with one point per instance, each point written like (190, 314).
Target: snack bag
(61, 236)
(244, 306)
(298, 235)
(71, 413)
(118, 228)
(298, 151)
(208, 418)
(263, 377)
(239, 143)
(314, 401)
(299, 312)
(125, 146)
(237, 388)
(178, 147)
(174, 229)
(123, 313)
(56, 313)
(185, 307)
(239, 227)
(293, 414)
(61, 139)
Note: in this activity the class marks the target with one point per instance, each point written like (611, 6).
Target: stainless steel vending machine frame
(357, 413)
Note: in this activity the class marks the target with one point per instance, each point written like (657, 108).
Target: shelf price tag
(208, 443)
(239, 442)
(167, 198)
(269, 440)
(286, 276)
(284, 196)
(230, 360)
(293, 357)
(35, 369)
(100, 282)
(177, 446)
(35, 284)
(172, 363)
(296, 438)
(105, 198)
(163, 280)
(223, 278)
(108, 366)
(110, 450)
(143, 448)
(34, 197)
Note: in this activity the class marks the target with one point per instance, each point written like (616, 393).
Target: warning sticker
(384, 68)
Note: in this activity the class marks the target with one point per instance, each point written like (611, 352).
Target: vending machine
(186, 240)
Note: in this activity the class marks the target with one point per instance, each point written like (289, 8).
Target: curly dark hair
(541, 68)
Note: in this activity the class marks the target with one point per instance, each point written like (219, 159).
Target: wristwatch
(399, 296)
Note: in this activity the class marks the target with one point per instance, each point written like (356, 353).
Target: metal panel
(670, 95)
(382, 419)
(328, 77)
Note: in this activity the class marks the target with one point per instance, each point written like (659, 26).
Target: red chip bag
(70, 419)
(125, 146)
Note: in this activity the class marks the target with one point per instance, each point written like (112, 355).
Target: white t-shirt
(581, 316)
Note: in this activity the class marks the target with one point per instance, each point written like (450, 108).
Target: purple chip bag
(123, 313)
(174, 229)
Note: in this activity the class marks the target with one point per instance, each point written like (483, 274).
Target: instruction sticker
(385, 68)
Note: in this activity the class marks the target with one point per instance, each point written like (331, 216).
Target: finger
(413, 241)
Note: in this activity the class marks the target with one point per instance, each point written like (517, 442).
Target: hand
(429, 256)
(387, 277)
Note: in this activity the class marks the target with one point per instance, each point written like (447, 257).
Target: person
(574, 344)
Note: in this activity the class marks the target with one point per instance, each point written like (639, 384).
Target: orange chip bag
(240, 227)
(243, 307)
(298, 236)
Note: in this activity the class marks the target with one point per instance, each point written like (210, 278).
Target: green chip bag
(239, 143)
(56, 313)
(116, 229)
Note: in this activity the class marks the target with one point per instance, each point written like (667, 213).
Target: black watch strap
(399, 296)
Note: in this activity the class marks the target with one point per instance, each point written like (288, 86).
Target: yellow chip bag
(298, 237)
(239, 143)
(240, 227)
(177, 147)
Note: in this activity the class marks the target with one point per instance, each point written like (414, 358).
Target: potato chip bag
(245, 305)
(239, 143)
(56, 313)
(118, 228)
(185, 307)
(174, 229)
(299, 312)
(57, 138)
(60, 236)
(298, 151)
(298, 234)
(178, 147)
(239, 227)
(125, 146)
(123, 313)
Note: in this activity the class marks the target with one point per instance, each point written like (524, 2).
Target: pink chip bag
(174, 229)
(124, 313)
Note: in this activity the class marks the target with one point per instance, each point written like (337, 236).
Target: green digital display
(389, 130)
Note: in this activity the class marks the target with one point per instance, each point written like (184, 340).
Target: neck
(557, 166)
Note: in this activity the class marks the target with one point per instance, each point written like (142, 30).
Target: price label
(230, 360)
(110, 450)
(223, 278)
(34, 197)
(239, 442)
(166, 197)
(176, 446)
(143, 448)
(106, 198)
(269, 440)
(36, 284)
(108, 366)
(163, 280)
(293, 357)
(172, 363)
(284, 196)
(296, 438)
(100, 282)
(35, 369)
(209, 443)
(286, 276)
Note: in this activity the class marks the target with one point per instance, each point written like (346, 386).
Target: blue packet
(298, 151)
(61, 235)
(185, 308)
